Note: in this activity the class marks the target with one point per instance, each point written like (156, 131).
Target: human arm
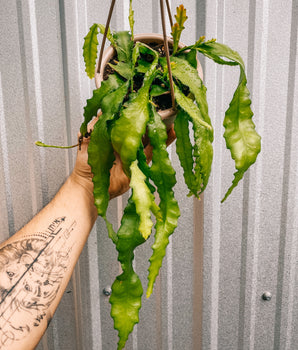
(37, 262)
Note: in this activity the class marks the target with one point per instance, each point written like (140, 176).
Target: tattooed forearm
(31, 271)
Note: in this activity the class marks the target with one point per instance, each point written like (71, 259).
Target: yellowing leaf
(178, 27)
(181, 15)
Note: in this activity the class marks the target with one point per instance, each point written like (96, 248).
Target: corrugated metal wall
(222, 257)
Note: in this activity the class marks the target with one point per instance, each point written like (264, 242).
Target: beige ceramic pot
(168, 115)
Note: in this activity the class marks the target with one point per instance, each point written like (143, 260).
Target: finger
(171, 136)
(119, 183)
(83, 140)
(148, 152)
(149, 149)
(93, 121)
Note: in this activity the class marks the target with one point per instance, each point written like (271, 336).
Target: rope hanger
(166, 44)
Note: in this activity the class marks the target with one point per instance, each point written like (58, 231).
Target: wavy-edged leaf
(190, 57)
(127, 289)
(151, 72)
(203, 154)
(238, 175)
(142, 197)
(163, 175)
(122, 43)
(194, 46)
(157, 90)
(90, 50)
(94, 103)
(128, 130)
(192, 109)
(143, 66)
(131, 19)
(203, 136)
(144, 167)
(218, 52)
(122, 68)
(241, 137)
(126, 302)
(124, 46)
(135, 53)
(90, 110)
(100, 150)
(188, 75)
(102, 29)
(126, 69)
(184, 150)
(112, 102)
(101, 158)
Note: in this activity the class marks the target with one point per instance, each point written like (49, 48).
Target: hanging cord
(105, 35)
(169, 13)
(167, 49)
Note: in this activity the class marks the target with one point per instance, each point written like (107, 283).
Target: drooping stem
(41, 144)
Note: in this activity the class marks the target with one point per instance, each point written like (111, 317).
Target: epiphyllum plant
(127, 100)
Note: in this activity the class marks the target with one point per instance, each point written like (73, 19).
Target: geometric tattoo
(31, 271)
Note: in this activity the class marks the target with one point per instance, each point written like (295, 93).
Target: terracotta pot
(168, 115)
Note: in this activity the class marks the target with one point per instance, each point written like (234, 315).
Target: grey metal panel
(249, 244)
(13, 104)
(5, 201)
(238, 281)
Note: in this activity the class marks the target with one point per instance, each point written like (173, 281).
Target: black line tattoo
(31, 271)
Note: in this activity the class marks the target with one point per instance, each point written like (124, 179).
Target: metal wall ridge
(230, 276)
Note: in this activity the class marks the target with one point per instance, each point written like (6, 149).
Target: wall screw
(107, 291)
(267, 296)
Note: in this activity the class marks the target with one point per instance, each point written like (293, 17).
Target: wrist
(85, 183)
(84, 189)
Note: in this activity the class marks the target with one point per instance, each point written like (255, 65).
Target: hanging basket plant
(140, 78)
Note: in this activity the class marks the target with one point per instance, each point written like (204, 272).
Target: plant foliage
(125, 102)
(90, 50)
(125, 137)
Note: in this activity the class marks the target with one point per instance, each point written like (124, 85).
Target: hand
(119, 182)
